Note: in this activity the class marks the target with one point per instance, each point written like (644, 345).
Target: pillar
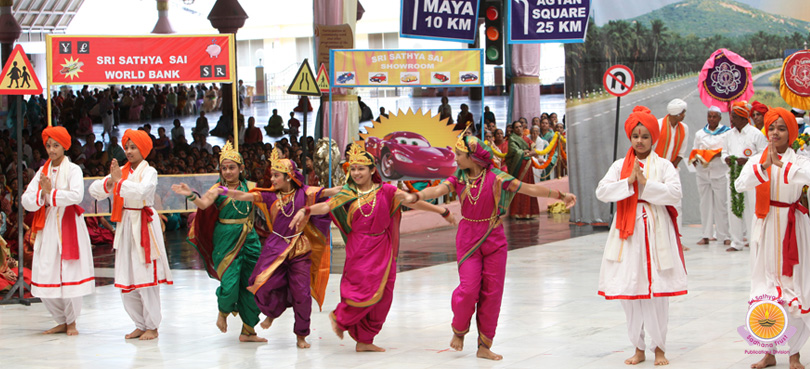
(163, 25)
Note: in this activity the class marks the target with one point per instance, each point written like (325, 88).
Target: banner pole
(48, 63)
(234, 93)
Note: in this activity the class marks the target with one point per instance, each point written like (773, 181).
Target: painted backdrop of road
(590, 144)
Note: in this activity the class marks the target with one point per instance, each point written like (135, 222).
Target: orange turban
(741, 108)
(641, 114)
(140, 138)
(626, 209)
(790, 254)
(760, 107)
(58, 134)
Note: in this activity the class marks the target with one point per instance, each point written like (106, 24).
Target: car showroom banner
(391, 68)
(105, 60)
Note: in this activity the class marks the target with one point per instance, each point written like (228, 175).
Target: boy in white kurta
(141, 262)
(643, 260)
(780, 232)
(63, 256)
(712, 178)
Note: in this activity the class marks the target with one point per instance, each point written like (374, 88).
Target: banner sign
(446, 20)
(106, 60)
(794, 84)
(537, 21)
(412, 146)
(392, 68)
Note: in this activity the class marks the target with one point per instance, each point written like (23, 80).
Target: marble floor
(551, 318)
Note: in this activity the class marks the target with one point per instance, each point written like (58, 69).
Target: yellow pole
(234, 92)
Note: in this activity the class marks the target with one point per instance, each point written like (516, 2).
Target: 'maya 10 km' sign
(537, 21)
(447, 20)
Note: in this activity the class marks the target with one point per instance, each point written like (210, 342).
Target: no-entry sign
(619, 80)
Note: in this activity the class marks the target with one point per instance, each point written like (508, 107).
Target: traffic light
(493, 31)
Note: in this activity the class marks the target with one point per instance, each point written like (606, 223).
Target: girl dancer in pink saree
(367, 212)
(485, 193)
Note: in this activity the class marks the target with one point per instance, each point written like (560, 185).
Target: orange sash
(704, 156)
(118, 201)
(663, 141)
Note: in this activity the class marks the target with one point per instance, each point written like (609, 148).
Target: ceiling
(45, 16)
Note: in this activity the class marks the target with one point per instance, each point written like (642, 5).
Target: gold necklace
(472, 185)
(233, 203)
(373, 205)
(283, 203)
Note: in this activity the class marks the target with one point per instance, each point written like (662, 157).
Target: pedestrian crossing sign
(323, 79)
(304, 82)
(18, 76)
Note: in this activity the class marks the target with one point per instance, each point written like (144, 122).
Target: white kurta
(52, 277)
(767, 234)
(131, 269)
(649, 262)
(540, 144)
(712, 183)
(671, 154)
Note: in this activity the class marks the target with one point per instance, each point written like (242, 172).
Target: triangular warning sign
(304, 82)
(323, 79)
(18, 76)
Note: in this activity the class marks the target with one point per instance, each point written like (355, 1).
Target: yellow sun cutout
(767, 320)
(71, 68)
(435, 130)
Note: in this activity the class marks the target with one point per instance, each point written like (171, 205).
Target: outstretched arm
(536, 190)
(234, 194)
(203, 202)
(301, 215)
(329, 192)
(426, 194)
(426, 206)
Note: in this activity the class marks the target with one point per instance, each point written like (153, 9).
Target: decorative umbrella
(725, 78)
(794, 81)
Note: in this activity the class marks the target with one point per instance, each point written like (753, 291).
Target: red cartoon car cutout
(379, 78)
(441, 77)
(409, 154)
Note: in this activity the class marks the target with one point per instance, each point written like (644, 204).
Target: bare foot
(727, 242)
(71, 329)
(713, 239)
(457, 343)
(301, 342)
(222, 323)
(768, 360)
(251, 338)
(335, 327)
(486, 353)
(638, 357)
(703, 241)
(747, 245)
(267, 322)
(135, 334)
(61, 328)
(368, 347)
(731, 249)
(150, 334)
(686, 248)
(795, 363)
(660, 359)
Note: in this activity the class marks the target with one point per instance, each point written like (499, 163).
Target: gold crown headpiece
(229, 153)
(357, 155)
(460, 144)
(278, 164)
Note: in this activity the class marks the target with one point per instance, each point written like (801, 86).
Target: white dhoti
(651, 315)
(143, 307)
(64, 311)
(739, 228)
(797, 341)
(714, 207)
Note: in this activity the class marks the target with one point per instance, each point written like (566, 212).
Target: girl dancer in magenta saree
(293, 266)
(485, 193)
(367, 212)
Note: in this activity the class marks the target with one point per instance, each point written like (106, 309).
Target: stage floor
(551, 318)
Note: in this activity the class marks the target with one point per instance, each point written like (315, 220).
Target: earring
(288, 179)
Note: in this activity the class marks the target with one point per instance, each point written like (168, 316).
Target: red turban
(741, 108)
(58, 134)
(790, 252)
(626, 209)
(641, 114)
(140, 138)
(760, 107)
